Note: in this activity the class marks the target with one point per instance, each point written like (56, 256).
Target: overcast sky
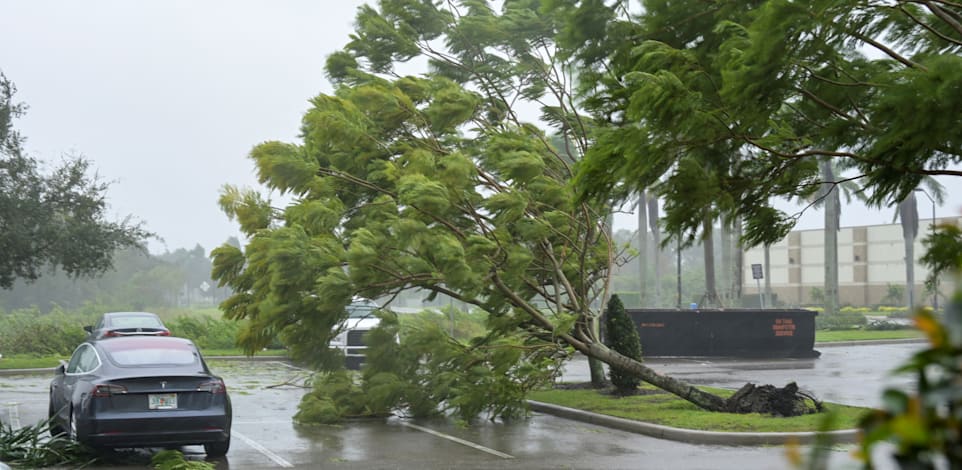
(167, 98)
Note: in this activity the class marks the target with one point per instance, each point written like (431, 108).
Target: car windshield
(150, 353)
(361, 308)
(135, 322)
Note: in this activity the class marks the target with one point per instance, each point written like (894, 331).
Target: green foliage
(420, 369)
(841, 320)
(622, 337)
(28, 331)
(205, 332)
(56, 219)
(428, 182)
(925, 425)
(174, 460)
(30, 447)
(464, 325)
(943, 251)
(886, 326)
(727, 110)
(334, 397)
(924, 422)
(894, 294)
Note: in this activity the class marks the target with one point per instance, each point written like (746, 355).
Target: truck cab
(360, 320)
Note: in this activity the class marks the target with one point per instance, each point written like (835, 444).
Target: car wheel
(217, 449)
(52, 418)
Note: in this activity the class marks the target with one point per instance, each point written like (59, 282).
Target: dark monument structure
(726, 332)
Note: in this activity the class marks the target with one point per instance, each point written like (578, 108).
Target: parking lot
(266, 394)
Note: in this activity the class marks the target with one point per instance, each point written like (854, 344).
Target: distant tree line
(137, 281)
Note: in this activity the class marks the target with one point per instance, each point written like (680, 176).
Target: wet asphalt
(265, 397)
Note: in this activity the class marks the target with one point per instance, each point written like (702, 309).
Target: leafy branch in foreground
(925, 424)
(31, 447)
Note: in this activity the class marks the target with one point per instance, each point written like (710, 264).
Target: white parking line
(459, 441)
(13, 410)
(264, 450)
(292, 366)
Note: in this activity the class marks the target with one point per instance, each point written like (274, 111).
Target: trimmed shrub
(623, 338)
(27, 331)
(840, 321)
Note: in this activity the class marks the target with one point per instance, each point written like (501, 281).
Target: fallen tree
(435, 183)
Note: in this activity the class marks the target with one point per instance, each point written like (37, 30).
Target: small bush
(850, 309)
(623, 338)
(887, 326)
(840, 321)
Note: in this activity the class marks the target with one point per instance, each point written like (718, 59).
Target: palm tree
(642, 214)
(908, 214)
(653, 218)
(829, 197)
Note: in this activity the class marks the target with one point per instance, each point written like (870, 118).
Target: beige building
(870, 259)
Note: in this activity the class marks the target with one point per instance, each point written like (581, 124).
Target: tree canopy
(439, 182)
(768, 87)
(55, 220)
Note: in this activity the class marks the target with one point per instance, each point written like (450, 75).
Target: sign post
(757, 275)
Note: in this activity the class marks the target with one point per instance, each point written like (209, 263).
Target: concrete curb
(869, 342)
(692, 436)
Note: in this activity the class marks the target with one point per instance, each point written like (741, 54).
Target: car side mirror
(88, 329)
(61, 369)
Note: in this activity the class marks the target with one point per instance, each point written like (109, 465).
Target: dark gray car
(140, 391)
(126, 324)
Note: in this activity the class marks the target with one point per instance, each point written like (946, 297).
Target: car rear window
(135, 322)
(149, 353)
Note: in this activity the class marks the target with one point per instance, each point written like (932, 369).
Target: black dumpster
(726, 332)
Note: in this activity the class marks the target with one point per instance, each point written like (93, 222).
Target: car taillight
(111, 334)
(214, 386)
(106, 390)
(163, 333)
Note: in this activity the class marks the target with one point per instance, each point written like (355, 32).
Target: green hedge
(843, 320)
(29, 332)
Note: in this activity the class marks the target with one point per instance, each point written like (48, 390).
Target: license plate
(162, 401)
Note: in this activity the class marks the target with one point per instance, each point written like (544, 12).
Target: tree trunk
(642, 209)
(768, 277)
(595, 367)
(699, 398)
(739, 269)
(727, 264)
(832, 214)
(656, 245)
(708, 244)
(909, 217)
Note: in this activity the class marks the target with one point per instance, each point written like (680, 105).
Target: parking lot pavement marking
(459, 441)
(264, 450)
(292, 366)
(13, 411)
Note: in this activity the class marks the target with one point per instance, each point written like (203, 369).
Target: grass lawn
(240, 352)
(659, 407)
(827, 336)
(25, 361)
